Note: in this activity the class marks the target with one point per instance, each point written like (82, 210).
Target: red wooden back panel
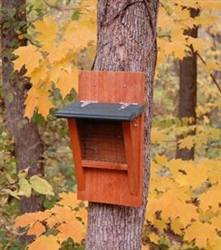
(108, 185)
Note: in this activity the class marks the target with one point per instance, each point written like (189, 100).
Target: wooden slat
(132, 149)
(112, 87)
(76, 149)
(104, 165)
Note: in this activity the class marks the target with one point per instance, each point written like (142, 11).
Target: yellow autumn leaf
(43, 102)
(187, 173)
(36, 229)
(161, 159)
(172, 205)
(202, 233)
(67, 81)
(176, 226)
(30, 103)
(154, 238)
(216, 222)
(47, 32)
(73, 229)
(157, 135)
(213, 169)
(214, 246)
(69, 200)
(145, 247)
(159, 224)
(198, 44)
(58, 52)
(28, 56)
(45, 243)
(211, 198)
(39, 74)
(187, 142)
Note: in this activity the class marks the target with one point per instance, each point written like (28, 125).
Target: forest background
(184, 198)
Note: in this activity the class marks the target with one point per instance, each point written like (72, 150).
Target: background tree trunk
(188, 92)
(126, 42)
(28, 145)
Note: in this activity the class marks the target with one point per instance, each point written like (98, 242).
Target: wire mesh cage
(101, 140)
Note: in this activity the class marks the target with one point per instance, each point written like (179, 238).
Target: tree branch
(211, 75)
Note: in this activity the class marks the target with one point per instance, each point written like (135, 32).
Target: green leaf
(41, 186)
(75, 15)
(11, 193)
(25, 187)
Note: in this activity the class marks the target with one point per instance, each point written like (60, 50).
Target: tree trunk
(28, 145)
(126, 42)
(188, 92)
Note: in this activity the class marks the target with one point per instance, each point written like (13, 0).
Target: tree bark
(28, 144)
(126, 42)
(188, 92)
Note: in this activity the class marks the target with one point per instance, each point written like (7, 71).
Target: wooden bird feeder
(106, 131)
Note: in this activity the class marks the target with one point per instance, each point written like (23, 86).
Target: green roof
(104, 111)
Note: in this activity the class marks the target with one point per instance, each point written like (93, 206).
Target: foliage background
(184, 201)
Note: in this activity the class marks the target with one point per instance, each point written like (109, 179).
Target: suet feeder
(106, 132)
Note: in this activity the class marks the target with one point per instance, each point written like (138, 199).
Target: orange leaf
(73, 229)
(203, 233)
(36, 229)
(45, 243)
(211, 198)
(30, 218)
(69, 199)
(63, 214)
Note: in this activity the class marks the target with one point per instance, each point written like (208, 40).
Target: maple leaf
(67, 81)
(145, 247)
(187, 142)
(47, 32)
(157, 135)
(39, 74)
(30, 218)
(187, 173)
(160, 224)
(45, 242)
(215, 246)
(28, 56)
(30, 102)
(69, 200)
(198, 44)
(216, 222)
(72, 229)
(172, 205)
(161, 159)
(44, 104)
(154, 238)
(176, 226)
(211, 198)
(36, 229)
(202, 233)
(63, 213)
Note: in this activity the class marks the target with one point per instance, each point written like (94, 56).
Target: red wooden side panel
(76, 149)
